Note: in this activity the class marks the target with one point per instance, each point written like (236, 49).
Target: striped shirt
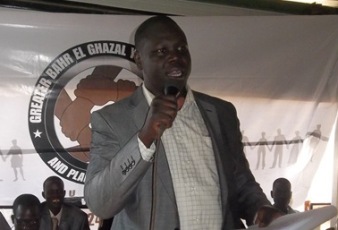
(193, 169)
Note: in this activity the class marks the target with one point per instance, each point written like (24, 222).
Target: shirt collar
(57, 216)
(188, 99)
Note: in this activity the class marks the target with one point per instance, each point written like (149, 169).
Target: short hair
(26, 200)
(143, 29)
(53, 179)
(281, 181)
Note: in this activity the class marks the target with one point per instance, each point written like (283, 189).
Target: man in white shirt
(56, 214)
(168, 157)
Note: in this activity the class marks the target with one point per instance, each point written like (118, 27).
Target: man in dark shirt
(58, 214)
(281, 194)
(26, 213)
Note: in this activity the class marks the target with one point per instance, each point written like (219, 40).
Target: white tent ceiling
(179, 7)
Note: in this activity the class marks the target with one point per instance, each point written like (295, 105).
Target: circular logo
(80, 80)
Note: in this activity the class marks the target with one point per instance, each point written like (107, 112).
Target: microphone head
(170, 90)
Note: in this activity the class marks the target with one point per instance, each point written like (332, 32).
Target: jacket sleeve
(115, 168)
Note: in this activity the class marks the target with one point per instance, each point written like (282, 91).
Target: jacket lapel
(210, 117)
(140, 108)
(64, 218)
(164, 172)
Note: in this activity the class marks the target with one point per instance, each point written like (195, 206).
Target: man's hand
(161, 115)
(266, 214)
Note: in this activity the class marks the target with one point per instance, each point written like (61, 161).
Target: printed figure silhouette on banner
(261, 151)
(246, 142)
(3, 159)
(296, 142)
(315, 136)
(279, 143)
(2, 156)
(16, 159)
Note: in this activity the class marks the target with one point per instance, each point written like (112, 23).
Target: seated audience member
(3, 223)
(281, 194)
(26, 213)
(56, 214)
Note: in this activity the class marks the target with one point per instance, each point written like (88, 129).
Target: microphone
(170, 89)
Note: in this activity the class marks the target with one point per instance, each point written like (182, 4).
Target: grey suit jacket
(118, 180)
(72, 218)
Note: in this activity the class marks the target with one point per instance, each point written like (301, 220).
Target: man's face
(54, 194)
(27, 218)
(164, 58)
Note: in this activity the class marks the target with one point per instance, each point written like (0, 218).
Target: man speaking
(169, 159)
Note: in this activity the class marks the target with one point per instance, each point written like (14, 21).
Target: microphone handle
(168, 90)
